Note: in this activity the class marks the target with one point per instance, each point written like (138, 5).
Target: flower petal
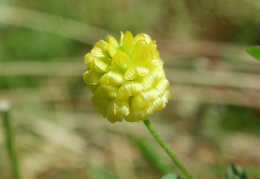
(128, 42)
(111, 49)
(143, 100)
(97, 52)
(147, 38)
(102, 45)
(112, 45)
(153, 47)
(139, 45)
(100, 66)
(91, 78)
(121, 39)
(144, 57)
(135, 71)
(152, 79)
(88, 58)
(159, 103)
(120, 61)
(111, 78)
(162, 86)
(117, 111)
(108, 91)
(101, 104)
(112, 40)
(129, 88)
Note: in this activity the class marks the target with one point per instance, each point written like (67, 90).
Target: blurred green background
(212, 120)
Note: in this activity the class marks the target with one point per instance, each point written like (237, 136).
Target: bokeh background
(212, 120)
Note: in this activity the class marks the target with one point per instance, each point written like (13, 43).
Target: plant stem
(9, 144)
(168, 150)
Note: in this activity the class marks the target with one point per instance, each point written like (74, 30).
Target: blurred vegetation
(212, 120)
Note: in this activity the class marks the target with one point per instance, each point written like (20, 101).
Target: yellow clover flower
(126, 77)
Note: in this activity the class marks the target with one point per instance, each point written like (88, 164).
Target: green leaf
(235, 172)
(254, 52)
(170, 176)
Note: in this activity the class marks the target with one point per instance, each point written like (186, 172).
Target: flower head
(126, 77)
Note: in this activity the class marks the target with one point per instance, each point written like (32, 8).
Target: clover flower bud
(126, 77)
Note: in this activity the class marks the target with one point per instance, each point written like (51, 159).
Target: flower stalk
(4, 108)
(168, 150)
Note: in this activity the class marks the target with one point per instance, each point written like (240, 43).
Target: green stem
(9, 144)
(168, 150)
